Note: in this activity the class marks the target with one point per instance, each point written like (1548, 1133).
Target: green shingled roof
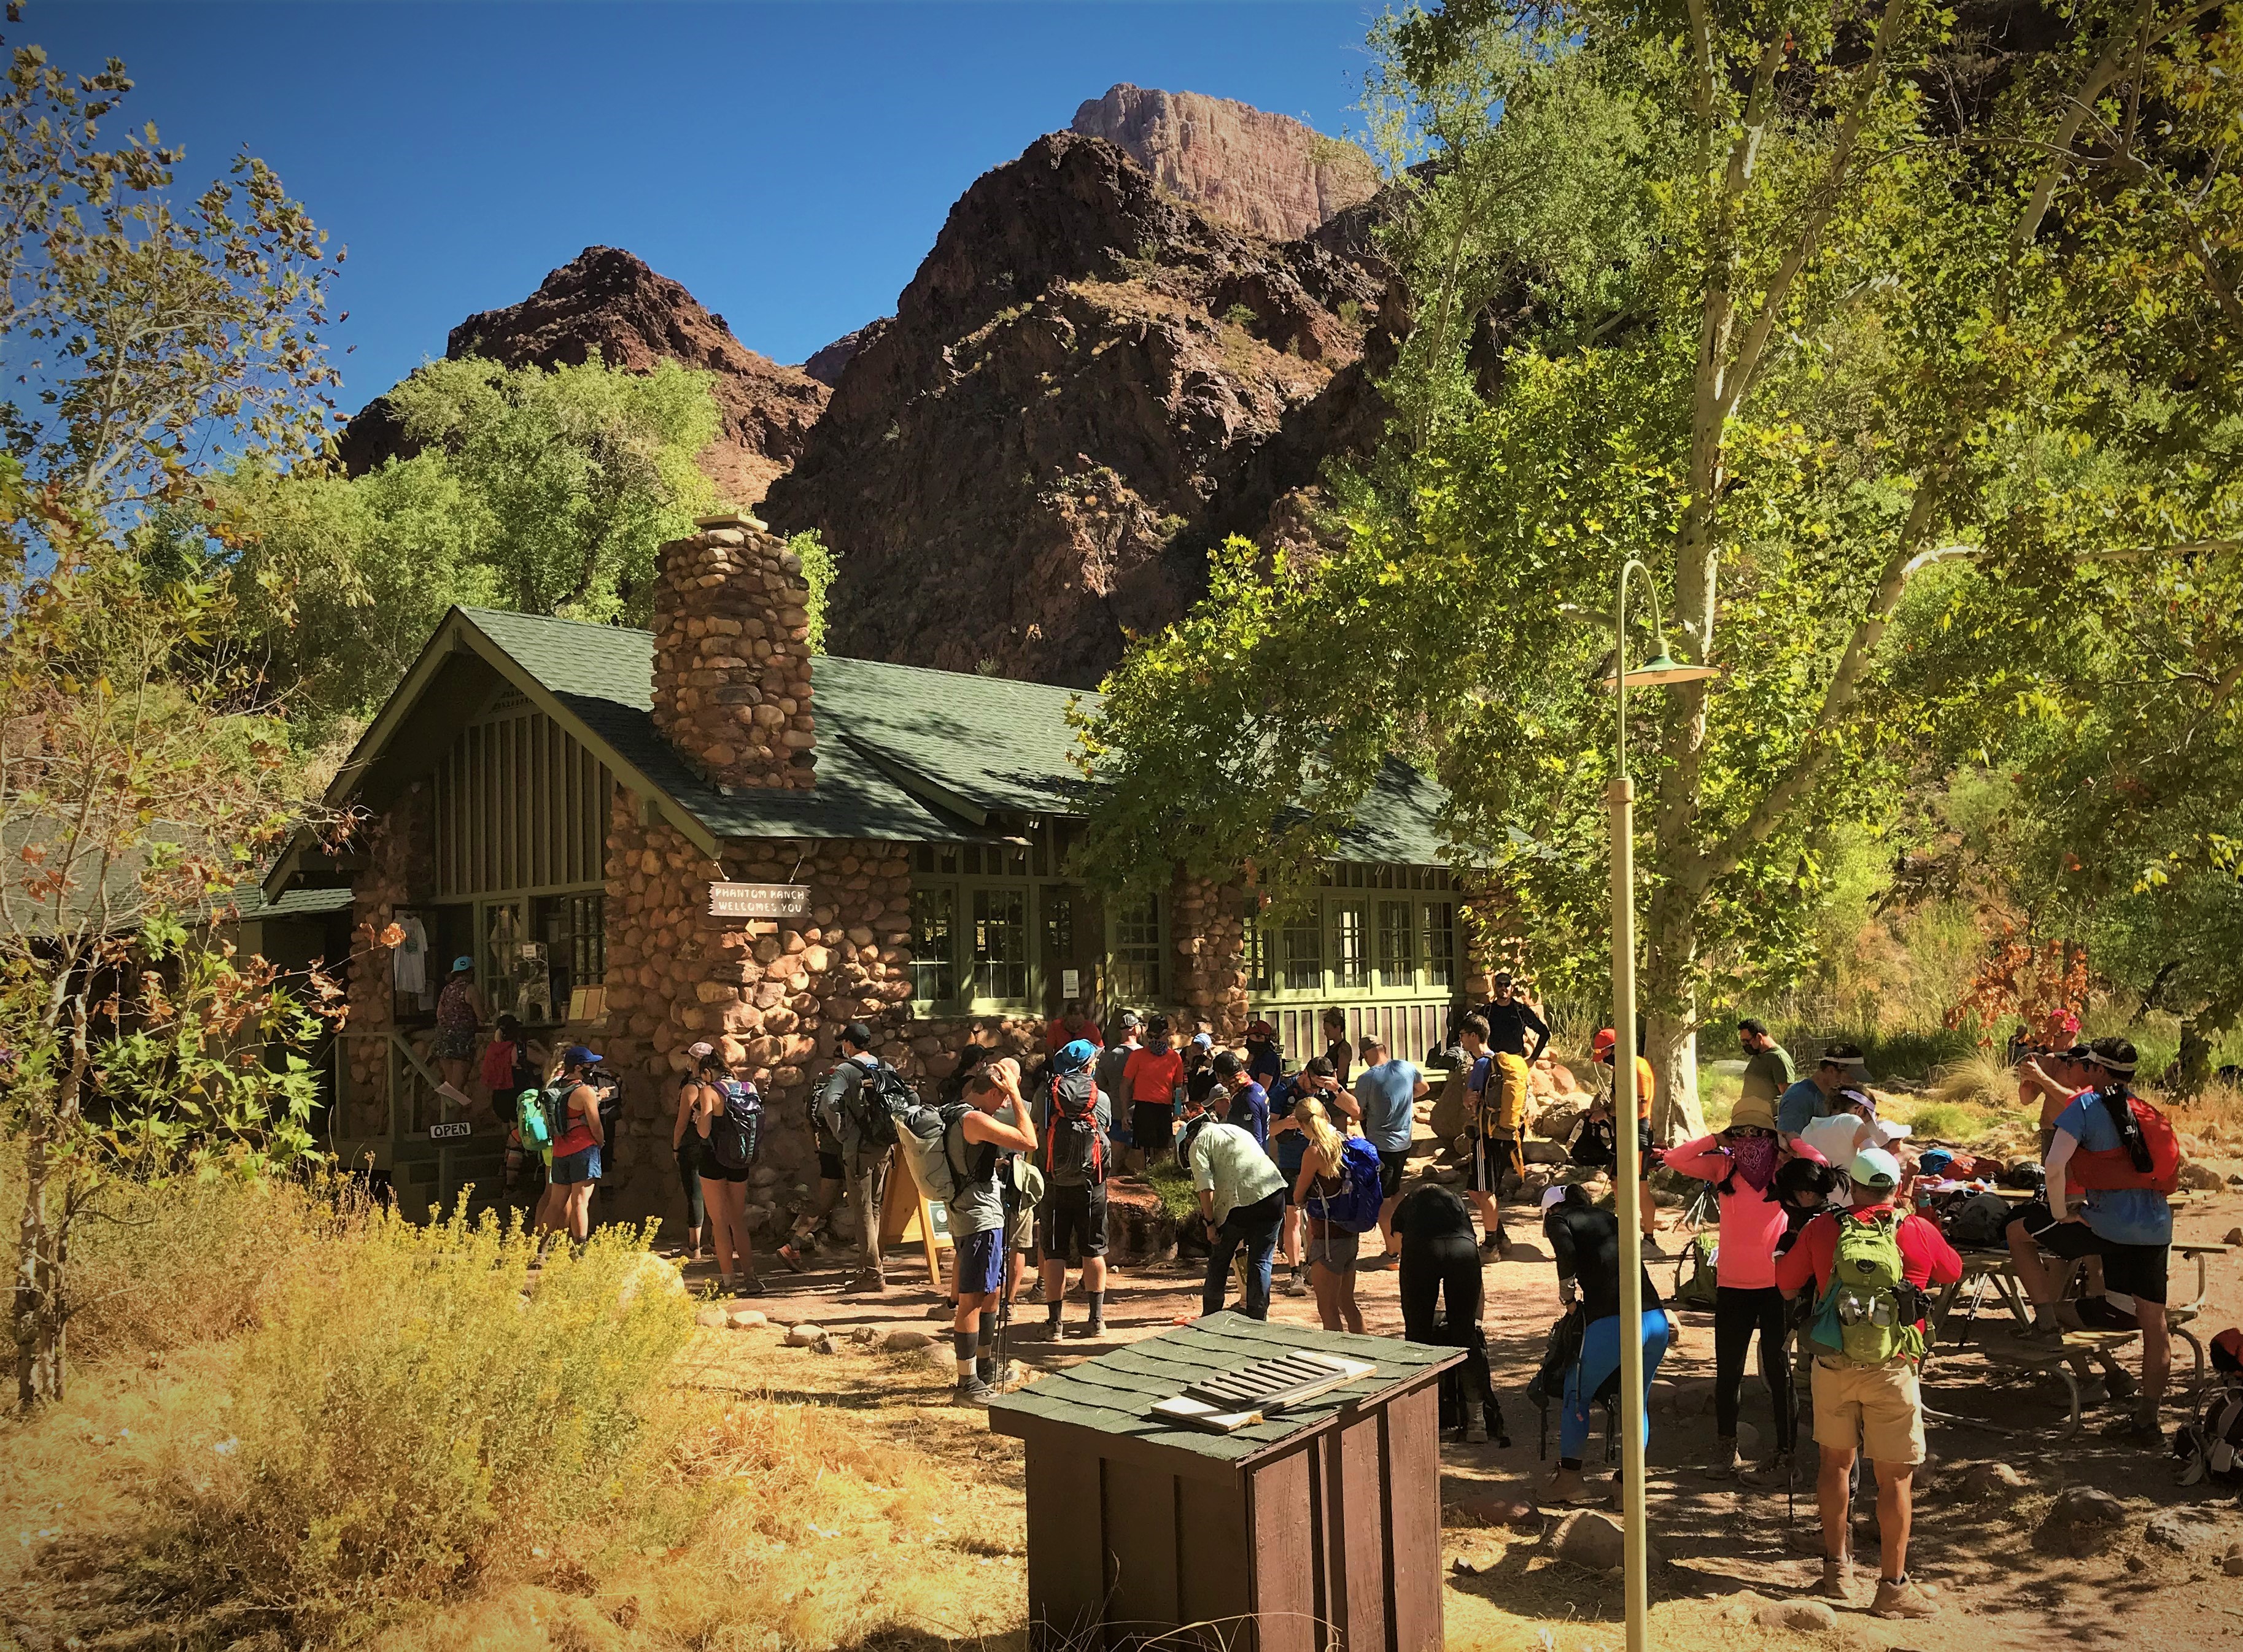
(903, 754)
(1114, 1394)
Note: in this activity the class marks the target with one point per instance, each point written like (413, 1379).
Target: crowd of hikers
(1828, 1231)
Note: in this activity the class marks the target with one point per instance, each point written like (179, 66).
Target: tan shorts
(1875, 1409)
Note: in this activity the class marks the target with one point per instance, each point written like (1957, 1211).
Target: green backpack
(1697, 1275)
(535, 1122)
(1868, 1316)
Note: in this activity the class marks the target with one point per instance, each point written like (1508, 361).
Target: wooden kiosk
(1319, 1529)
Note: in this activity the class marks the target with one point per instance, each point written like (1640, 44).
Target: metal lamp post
(1660, 668)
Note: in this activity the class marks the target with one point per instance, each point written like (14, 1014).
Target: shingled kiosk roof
(903, 754)
(1113, 1395)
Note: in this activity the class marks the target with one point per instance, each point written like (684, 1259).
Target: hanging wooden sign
(759, 900)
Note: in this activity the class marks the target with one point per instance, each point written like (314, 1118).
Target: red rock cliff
(1263, 173)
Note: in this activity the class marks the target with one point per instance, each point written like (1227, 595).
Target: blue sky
(789, 164)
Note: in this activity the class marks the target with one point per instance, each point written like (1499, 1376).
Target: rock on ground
(2084, 1521)
(1587, 1537)
(746, 1319)
(905, 1341)
(1805, 1617)
(713, 1317)
(2179, 1529)
(1986, 1480)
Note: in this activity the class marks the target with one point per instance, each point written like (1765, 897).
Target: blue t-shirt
(1385, 1093)
(2122, 1215)
(1800, 1107)
(1249, 1111)
(1264, 1064)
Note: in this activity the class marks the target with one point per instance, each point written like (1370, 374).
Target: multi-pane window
(1256, 961)
(1351, 964)
(1440, 944)
(934, 944)
(1136, 963)
(1301, 943)
(1000, 939)
(1398, 950)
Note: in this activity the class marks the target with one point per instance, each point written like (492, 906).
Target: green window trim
(1137, 952)
(1396, 941)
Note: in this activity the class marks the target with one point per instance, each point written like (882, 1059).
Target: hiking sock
(985, 1361)
(1097, 1307)
(962, 1345)
(1052, 1311)
(1572, 1465)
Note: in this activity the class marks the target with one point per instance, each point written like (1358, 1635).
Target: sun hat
(1554, 1194)
(1074, 1057)
(1752, 1112)
(1873, 1167)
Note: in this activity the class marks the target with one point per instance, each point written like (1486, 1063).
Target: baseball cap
(700, 1051)
(1074, 1057)
(462, 962)
(1603, 1044)
(1259, 1030)
(1129, 1021)
(576, 1056)
(1202, 1041)
(1873, 1167)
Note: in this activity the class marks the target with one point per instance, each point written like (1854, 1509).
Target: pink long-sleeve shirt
(1751, 1222)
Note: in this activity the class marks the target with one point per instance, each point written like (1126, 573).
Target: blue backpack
(1355, 1207)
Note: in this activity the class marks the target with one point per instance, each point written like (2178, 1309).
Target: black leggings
(1446, 1267)
(688, 1172)
(1737, 1314)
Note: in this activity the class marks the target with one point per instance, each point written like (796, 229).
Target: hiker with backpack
(508, 1067)
(686, 1142)
(1871, 1267)
(1074, 1122)
(571, 1109)
(1584, 1242)
(1741, 1162)
(974, 1143)
(2122, 1153)
(1241, 1202)
(1287, 1145)
(1339, 1187)
(728, 1119)
(1494, 1154)
(1386, 1096)
(1440, 1266)
(852, 1109)
(1603, 1050)
(1249, 1107)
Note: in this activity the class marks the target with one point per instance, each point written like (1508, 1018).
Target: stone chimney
(731, 656)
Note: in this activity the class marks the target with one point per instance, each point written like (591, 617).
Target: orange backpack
(2156, 1167)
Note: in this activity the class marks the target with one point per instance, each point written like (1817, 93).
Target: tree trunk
(40, 1309)
(2193, 1065)
(1670, 1003)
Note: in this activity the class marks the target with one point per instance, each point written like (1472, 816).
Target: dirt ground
(2000, 1585)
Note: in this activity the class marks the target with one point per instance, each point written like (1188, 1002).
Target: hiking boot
(1296, 1283)
(945, 1309)
(1901, 1599)
(2136, 1431)
(971, 1391)
(1091, 1330)
(1777, 1470)
(1475, 1427)
(2120, 1385)
(792, 1257)
(865, 1284)
(1725, 1462)
(2050, 1323)
(1837, 1582)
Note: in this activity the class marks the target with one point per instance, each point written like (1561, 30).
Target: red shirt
(1153, 1075)
(1926, 1258)
(1056, 1035)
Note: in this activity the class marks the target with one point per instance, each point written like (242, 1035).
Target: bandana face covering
(1755, 1158)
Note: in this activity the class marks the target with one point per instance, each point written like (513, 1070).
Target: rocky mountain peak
(1267, 174)
(608, 299)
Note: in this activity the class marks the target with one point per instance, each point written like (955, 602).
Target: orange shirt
(1153, 1075)
(1645, 1082)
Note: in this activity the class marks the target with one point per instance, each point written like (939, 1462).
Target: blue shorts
(981, 1263)
(576, 1167)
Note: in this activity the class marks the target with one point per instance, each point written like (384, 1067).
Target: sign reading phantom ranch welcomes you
(758, 900)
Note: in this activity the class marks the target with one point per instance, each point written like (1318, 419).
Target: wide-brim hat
(1753, 1112)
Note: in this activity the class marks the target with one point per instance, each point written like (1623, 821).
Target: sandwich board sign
(763, 901)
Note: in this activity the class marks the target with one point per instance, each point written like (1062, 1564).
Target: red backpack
(498, 1064)
(1074, 1148)
(2157, 1167)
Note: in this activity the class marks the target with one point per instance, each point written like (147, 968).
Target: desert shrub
(1173, 1184)
(1975, 1081)
(420, 1408)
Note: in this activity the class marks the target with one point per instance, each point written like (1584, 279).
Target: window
(1398, 950)
(935, 946)
(1302, 940)
(570, 946)
(1001, 944)
(1350, 962)
(1137, 954)
(1440, 944)
(1254, 956)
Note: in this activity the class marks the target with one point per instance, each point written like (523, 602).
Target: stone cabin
(556, 800)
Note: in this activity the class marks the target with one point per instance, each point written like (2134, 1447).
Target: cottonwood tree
(1797, 303)
(141, 771)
